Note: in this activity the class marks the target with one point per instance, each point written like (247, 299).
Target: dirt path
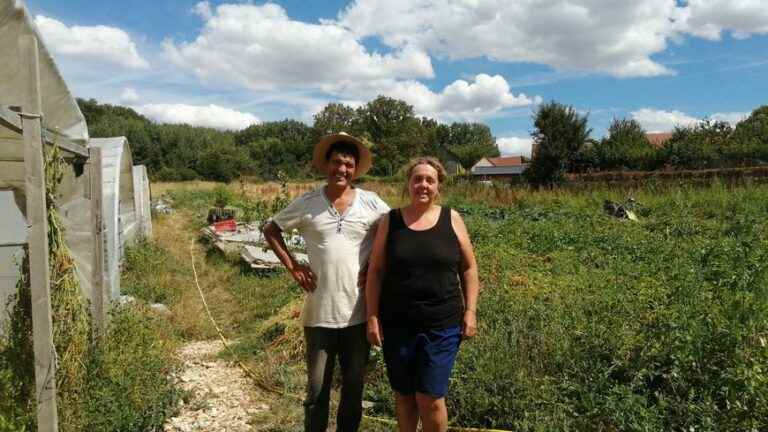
(221, 399)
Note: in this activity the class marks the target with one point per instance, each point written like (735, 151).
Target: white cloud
(513, 145)
(97, 43)
(129, 96)
(212, 116)
(730, 117)
(664, 121)
(261, 48)
(710, 18)
(619, 38)
(203, 9)
(483, 97)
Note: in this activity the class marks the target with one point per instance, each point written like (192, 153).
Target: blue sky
(229, 64)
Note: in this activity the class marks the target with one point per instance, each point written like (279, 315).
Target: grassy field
(587, 322)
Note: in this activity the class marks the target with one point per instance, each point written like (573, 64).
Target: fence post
(37, 220)
(100, 300)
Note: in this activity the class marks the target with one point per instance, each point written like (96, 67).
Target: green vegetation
(588, 322)
(563, 142)
(560, 134)
(625, 147)
(266, 150)
(183, 152)
(594, 323)
(131, 388)
(118, 381)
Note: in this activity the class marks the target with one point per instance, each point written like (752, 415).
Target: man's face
(341, 169)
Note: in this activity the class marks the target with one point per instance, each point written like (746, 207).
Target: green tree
(282, 145)
(333, 118)
(625, 146)
(750, 138)
(271, 156)
(435, 138)
(396, 133)
(470, 142)
(560, 132)
(170, 151)
(696, 147)
(284, 130)
(222, 162)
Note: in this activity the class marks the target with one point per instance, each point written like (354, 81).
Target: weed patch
(131, 386)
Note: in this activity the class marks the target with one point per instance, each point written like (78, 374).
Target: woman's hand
(469, 325)
(375, 334)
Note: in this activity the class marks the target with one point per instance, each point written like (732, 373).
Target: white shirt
(338, 245)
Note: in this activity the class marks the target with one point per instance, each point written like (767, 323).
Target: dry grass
(172, 233)
(269, 190)
(266, 190)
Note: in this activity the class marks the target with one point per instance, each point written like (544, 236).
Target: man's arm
(300, 272)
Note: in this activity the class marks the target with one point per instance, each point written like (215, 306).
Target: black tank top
(421, 288)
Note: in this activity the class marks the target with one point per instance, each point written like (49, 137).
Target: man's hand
(469, 325)
(305, 277)
(375, 334)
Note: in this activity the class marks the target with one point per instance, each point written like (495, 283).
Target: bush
(145, 261)
(222, 196)
(172, 174)
(130, 386)
(11, 418)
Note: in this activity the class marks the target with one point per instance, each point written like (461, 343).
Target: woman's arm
(376, 266)
(469, 280)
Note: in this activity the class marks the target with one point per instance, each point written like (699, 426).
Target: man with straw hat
(336, 222)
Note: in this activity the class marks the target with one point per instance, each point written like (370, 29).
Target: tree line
(562, 144)
(561, 137)
(175, 152)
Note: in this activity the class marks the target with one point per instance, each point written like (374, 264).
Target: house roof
(658, 139)
(508, 161)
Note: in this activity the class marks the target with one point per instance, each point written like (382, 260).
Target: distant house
(450, 163)
(500, 168)
(658, 139)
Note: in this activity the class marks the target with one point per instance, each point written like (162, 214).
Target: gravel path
(223, 398)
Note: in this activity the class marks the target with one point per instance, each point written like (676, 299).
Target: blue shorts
(420, 360)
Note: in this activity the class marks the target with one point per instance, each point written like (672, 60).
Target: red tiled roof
(658, 139)
(508, 161)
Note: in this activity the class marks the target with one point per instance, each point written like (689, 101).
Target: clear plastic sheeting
(60, 110)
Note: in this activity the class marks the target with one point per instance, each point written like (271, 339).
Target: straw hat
(321, 148)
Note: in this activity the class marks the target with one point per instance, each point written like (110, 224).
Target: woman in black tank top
(421, 297)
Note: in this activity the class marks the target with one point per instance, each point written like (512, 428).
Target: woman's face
(423, 184)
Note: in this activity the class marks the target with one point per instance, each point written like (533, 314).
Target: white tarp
(119, 208)
(142, 198)
(60, 110)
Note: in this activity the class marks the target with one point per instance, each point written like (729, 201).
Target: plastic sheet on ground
(249, 243)
(261, 259)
